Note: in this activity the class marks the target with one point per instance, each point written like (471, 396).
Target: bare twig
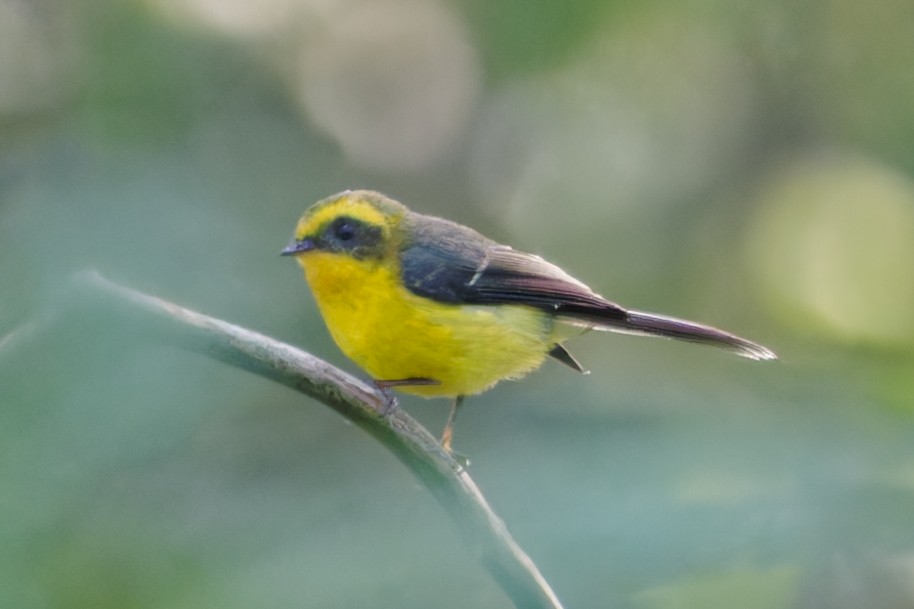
(412, 444)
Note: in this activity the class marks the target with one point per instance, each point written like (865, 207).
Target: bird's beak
(298, 246)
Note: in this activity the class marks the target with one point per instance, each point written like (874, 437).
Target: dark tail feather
(669, 327)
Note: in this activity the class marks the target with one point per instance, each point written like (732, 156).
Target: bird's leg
(386, 387)
(448, 434)
(413, 380)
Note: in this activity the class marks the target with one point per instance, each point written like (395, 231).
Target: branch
(157, 319)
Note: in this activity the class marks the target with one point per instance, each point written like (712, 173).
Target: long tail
(651, 324)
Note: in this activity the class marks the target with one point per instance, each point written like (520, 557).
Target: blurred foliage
(747, 164)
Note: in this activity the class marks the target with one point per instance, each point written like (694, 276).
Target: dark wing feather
(454, 264)
(508, 276)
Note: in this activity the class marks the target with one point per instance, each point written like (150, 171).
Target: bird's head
(356, 223)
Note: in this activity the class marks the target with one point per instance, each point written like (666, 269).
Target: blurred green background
(740, 163)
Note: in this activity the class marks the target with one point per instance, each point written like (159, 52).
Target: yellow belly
(394, 334)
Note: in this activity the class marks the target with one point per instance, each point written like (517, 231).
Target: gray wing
(451, 263)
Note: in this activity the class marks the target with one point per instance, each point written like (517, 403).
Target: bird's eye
(344, 231)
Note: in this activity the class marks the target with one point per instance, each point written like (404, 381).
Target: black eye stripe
(347, 234)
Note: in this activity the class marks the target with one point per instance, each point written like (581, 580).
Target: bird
(430, 307)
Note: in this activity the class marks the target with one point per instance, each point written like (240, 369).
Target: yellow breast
(394, 334)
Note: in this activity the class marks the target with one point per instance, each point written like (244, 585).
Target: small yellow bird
(433, 308)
